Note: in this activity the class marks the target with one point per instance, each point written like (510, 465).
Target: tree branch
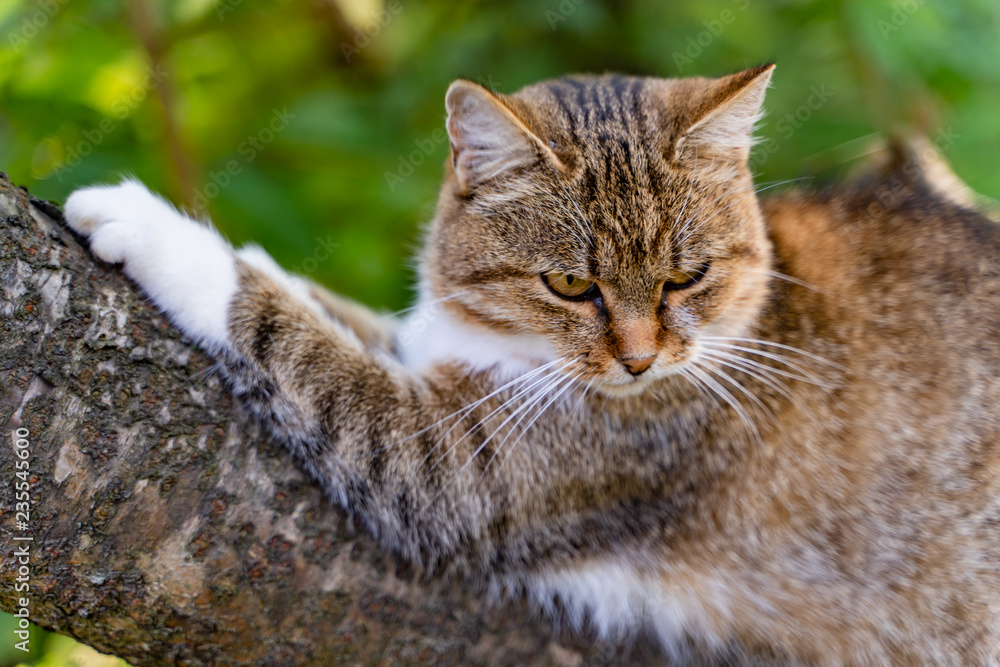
(165, 528)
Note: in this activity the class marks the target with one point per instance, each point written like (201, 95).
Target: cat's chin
(635, 386)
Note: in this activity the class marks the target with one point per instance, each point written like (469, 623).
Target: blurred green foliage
(185, 94)
(313, 128)
(47, 649)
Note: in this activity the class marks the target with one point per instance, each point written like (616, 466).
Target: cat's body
(747, 433)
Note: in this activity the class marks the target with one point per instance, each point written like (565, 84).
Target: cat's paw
(112, 217)
(185, 267)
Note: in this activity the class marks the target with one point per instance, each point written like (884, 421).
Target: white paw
(113, 217)
(185, 267)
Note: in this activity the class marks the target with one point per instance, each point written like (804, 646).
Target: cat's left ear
(488, 138)
(720, 114)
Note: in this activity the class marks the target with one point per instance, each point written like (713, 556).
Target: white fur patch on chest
(430, 335)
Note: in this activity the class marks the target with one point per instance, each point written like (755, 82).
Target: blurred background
(313, 127)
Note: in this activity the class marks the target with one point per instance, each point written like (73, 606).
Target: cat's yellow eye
(569, 286)
(677, 279)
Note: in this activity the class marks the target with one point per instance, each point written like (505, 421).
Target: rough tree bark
(165, 529)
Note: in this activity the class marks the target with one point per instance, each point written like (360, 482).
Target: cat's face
(614, 217)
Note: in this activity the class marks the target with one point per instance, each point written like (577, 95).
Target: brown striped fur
(855, 522)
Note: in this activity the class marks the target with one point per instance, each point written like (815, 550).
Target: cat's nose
(638, 365)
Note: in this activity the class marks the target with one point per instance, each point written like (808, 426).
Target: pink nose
(638, 365)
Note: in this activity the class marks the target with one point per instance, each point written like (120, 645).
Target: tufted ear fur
(487, 137)
(721, 113)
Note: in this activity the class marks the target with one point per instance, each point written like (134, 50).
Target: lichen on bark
(166, 529)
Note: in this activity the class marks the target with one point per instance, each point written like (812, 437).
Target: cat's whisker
(479, 425)
(726, 396)
(523, 410)
(721, 373)
(695, 382)
(757, 188)
(579, 235)
(724, 209)
(687, 199)
(793, 280)
(582, 217)
(527, 428)
(465, 410)
(583, 395)
(801, 373)
(754, 369)
(789, 348)
(738, 364)
(431, 302)
(551, 381)
(482, 423)
(694, 215)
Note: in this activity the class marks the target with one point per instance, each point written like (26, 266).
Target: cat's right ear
(714, 119)
(487, 137)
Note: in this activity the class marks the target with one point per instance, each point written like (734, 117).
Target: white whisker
(540, 394)
(538, 414)
(794, 280)
(789, 348)
(726, 396)
(482, 423)
(754, 369)
(463, 411)
(803, 374)
(763, 376)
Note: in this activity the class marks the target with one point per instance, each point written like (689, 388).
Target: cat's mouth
(624, 384)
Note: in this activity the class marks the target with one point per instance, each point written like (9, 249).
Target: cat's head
(612, 217)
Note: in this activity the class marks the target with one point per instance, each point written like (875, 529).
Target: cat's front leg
(188, 269)
(339, 404)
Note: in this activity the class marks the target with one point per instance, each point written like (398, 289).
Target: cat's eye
(568, 286)
(678, 280)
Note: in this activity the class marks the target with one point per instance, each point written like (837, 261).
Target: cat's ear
(720, 117)
(487, 137)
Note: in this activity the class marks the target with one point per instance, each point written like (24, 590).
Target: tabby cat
(634, 392)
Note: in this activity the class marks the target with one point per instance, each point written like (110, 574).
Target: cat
(633, 391)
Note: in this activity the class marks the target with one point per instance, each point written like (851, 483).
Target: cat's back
(895, 258)
(899, 281)
(897, 284)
